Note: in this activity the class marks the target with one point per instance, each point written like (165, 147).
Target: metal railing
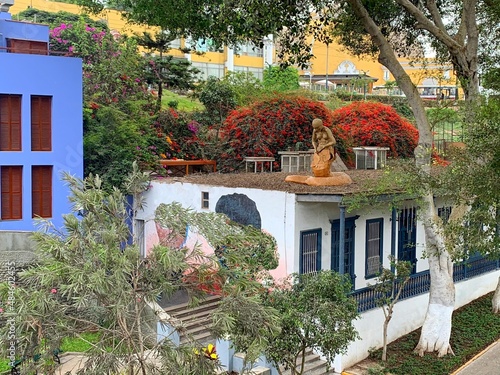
(419, 283)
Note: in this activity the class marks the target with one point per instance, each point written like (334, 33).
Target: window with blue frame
(310, 251)
(444, 213)
(374, 247)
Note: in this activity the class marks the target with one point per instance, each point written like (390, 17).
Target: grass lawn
(474, 327)
(4, 366)
(79, 345)
(184, 103)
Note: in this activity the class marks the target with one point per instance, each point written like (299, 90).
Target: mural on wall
(239, 208)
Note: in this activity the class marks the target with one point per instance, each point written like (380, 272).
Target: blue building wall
(21, 30)
(61, 78)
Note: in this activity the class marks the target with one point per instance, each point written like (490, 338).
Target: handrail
(419, 283)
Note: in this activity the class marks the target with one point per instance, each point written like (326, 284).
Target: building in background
(331, 69)
(210, 61)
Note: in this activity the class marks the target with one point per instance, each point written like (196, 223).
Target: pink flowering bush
(110, 62)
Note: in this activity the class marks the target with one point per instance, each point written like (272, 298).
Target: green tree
(315, 313)
(277, 78)
(56, 19)
(477, 168)
(113, 140)
(165, 70)
(387, 29)
(89, 278)
(219, 99)
(246, 87)
(390, 283)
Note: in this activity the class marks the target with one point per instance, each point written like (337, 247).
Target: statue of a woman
(324, 153)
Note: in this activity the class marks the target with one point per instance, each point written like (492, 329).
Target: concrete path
(70, 362)
(485, 363)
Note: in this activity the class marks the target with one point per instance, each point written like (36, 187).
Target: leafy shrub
(172, 131)
(376, 124)
(218, 97)
(279, 79)
(267, 127)
(173, 104)
(246, 87)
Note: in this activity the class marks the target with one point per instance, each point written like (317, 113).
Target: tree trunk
(384, 344)
(496, 299)
(436, 331)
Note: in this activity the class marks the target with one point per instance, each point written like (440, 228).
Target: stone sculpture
(323, 142)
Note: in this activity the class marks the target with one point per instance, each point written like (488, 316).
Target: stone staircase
(314, 365)
(195, 320)
(196, 327)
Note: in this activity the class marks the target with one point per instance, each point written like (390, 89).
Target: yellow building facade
(334, 68)
(331, 69)
(210, 63)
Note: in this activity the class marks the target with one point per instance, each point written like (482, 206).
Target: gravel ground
(362, 181)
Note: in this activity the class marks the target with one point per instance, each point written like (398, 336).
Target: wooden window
(41, 123)
(205, 199)
(10, 122)
(27, 46)
(310, 251)
(374, 234)
(12, 195)
(41, 190)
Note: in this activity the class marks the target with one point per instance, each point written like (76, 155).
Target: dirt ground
(362, 180)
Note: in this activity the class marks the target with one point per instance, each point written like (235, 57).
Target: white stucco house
(315, 229)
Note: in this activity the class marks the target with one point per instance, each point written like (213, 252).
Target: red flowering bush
(167, 137)
(377, 124)
(266, 127)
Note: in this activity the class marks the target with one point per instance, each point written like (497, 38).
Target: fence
(419, 283)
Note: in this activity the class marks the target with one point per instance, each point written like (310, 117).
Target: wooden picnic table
(183, 166)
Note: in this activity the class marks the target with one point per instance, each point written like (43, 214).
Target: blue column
(342, 239)
(394, 220)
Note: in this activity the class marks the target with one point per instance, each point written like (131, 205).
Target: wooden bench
(183, 166)
(258, 159)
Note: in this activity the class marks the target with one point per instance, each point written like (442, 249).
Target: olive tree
(89, 276)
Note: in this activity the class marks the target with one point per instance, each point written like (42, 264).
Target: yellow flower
(210, 352)
(169, 141)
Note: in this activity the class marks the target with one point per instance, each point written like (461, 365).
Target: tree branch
(438, 30)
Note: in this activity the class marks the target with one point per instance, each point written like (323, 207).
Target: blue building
(41, 133)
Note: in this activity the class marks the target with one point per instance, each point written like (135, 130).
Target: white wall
(284, 218)
(408, 316)
(275, 208)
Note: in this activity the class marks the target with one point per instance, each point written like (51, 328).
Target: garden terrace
(362, 180)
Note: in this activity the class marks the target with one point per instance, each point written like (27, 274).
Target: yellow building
(332, 68)
(210, 63)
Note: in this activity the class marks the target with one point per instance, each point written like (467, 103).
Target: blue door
(407, 236)
(348, 246)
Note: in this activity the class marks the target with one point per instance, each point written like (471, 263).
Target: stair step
(314, 365)
(197, 315)
(187, 306)
(196, 320)
(195, 329)
(203, 337)
(200, 310)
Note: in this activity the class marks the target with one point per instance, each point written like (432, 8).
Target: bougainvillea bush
(266, 127)
(377, 124)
